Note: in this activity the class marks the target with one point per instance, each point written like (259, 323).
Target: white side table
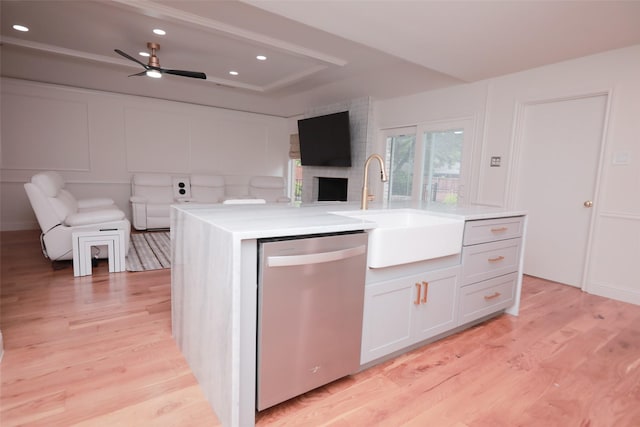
(83, 241)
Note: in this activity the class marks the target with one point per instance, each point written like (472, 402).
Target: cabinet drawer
(490, 230)
(482, 262)
(488, 297)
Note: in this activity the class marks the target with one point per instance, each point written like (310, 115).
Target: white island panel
(214, 287)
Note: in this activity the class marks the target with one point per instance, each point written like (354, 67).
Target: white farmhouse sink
(408, 235)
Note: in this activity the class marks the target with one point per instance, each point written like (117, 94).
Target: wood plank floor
(97, 351)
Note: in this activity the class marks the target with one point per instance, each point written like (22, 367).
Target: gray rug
(149, 251)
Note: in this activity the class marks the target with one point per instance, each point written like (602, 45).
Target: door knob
(588, 204)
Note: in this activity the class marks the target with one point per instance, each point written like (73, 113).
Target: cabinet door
(437, 311)
(387, 321)
(396, 314)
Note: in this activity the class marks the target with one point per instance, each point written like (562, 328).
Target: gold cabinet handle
(417, 301)
(496, 259)
(492, 296)
(499, 229)
(426, 291)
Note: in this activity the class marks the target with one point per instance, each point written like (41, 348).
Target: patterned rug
(149, 251)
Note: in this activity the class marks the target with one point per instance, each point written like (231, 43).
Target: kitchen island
(214, 288)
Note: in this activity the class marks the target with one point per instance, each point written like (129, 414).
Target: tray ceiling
(318, 52)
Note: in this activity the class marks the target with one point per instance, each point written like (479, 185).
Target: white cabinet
(410, 304)
(407, 310)
(490, 260)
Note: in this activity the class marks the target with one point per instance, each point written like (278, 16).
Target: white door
(558, 166)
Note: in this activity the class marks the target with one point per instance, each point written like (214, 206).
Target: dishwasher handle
(316, 258)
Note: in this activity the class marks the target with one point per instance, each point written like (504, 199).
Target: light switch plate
(621, 158)
(495, 161)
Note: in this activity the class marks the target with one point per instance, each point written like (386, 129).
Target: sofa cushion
(94, 217)
(207, 188)
(158, 210)
(156, 188)
(267, 182)
(49, 182)
(270, 188)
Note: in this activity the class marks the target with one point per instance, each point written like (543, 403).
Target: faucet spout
(383, 177)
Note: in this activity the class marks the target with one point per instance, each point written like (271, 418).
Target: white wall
(615, 245)
(97, 140)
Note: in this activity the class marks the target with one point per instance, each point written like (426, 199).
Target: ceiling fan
(153, 69)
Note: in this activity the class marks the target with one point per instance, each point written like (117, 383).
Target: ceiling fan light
(154, 73)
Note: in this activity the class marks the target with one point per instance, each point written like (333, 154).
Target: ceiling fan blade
(194, 74)
(131, 58)
(141, 73)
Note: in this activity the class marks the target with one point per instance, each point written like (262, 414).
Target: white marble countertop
(275, 220)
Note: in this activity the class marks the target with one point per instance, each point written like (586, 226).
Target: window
(295, 172)
(441, 166)
(432, 168)
(400, 157)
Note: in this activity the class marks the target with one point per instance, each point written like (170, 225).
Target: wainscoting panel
(157, 141)
(44, 133)
(614, 260)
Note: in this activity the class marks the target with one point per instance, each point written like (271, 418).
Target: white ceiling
(319, 52)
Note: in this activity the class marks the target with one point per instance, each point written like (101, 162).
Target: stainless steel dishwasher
(310, 301)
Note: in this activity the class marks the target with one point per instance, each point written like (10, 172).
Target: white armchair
(60, 214)
(270, 188)
(151, 197)
(207, 188)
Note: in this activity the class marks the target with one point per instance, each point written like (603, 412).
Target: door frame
(513, 177)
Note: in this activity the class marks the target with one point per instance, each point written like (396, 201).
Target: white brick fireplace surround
(362, 139)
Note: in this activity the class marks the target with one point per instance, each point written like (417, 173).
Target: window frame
(419, 130)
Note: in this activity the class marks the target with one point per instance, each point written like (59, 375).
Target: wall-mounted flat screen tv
(325, 140)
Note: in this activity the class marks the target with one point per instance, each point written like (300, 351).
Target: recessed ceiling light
(145, 54)
(233, 73)
(159, 32)
(261, 58)
(20, 28)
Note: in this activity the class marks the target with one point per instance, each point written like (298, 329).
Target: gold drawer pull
(490, 297)
(496, 259)
(426, 291)
(417, 301)
(499, 229)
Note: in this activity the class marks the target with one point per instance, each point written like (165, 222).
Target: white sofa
(152, 194)
(60, 214)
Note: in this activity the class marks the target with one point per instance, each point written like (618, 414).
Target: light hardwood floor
(97, 351)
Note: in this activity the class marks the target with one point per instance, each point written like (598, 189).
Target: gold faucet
(383, 177)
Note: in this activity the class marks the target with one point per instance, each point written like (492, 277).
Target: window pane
(441, 166)
(296, 174)
(400, 155)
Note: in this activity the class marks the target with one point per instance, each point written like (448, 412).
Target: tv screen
(325, 140)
